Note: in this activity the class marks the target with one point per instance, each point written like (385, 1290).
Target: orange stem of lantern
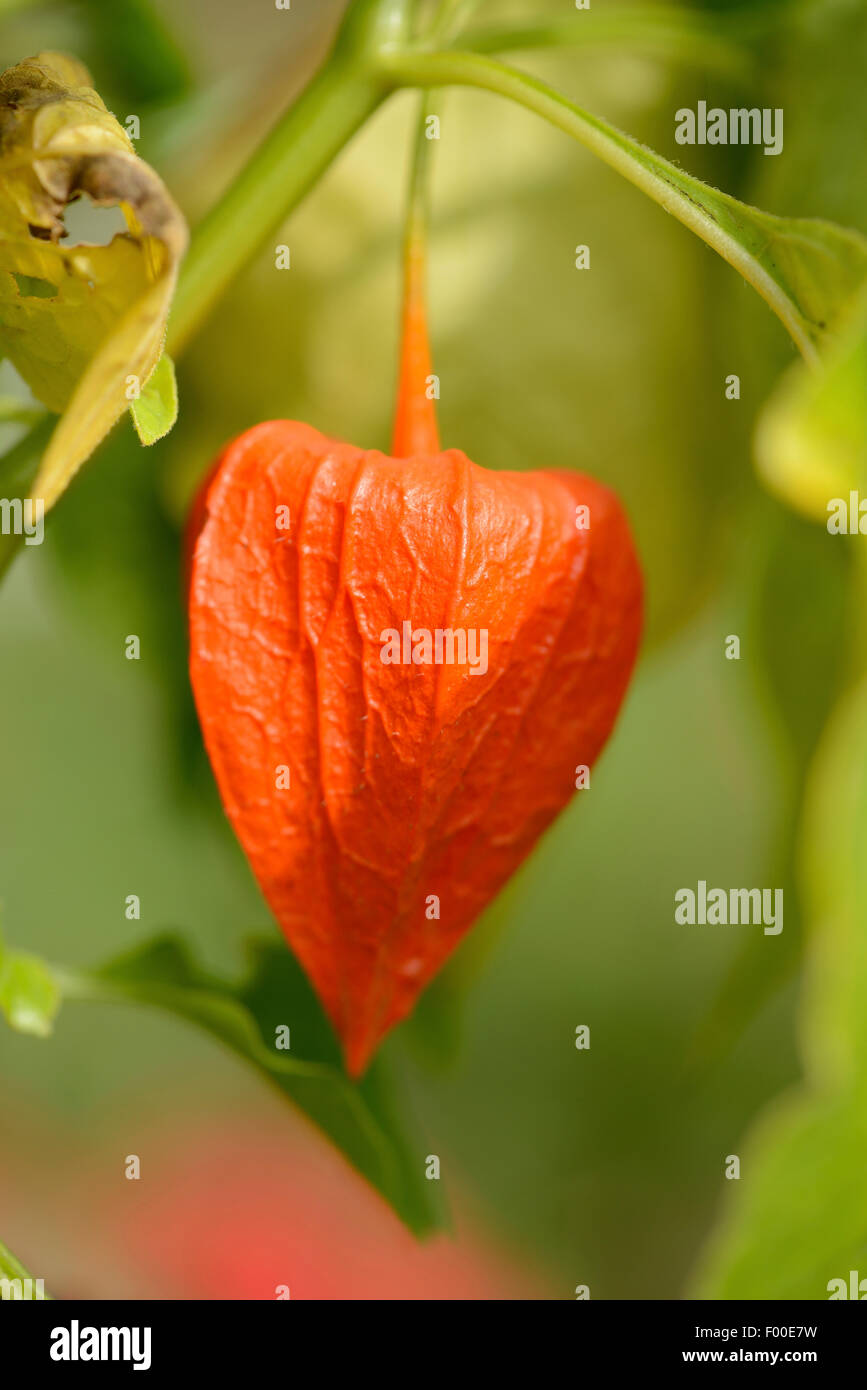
(415, 422)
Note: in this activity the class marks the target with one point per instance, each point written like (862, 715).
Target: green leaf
(29, 994)
(77, 321)
(797, 621)
(811, 438)
(808, 271)
(156, 409)
(249, 1017)
(800, 1220)
(245, 1016)
(134, 43)
(13, 1270)
(797, 1218)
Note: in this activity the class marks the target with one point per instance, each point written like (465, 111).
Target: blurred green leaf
(798, 1215)
(156, 409)
(808, 435)
(811, 438)
(799, 615)
(796, 626)
(801, 1217)
(113, 563)
(360, 1119)
(29, 994)
(133, 43)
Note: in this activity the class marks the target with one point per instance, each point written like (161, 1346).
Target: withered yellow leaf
(78, 322)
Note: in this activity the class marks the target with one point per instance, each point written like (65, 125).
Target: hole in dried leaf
(91, 224)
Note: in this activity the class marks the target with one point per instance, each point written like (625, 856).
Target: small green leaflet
(156, 409)
(29, 994)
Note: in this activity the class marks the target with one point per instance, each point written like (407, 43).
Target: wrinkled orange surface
(406, 781)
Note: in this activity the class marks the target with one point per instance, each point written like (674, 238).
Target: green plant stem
(673, 32)
(283, 169)
(342, 95)
(345, 91)
(417, 200)
(415, 422)
(371, 26)
(662, 181)
(449, 18)
(83, 988)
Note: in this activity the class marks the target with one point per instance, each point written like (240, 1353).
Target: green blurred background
(602, 1167)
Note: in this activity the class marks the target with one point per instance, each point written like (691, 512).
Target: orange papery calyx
(400, 665)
